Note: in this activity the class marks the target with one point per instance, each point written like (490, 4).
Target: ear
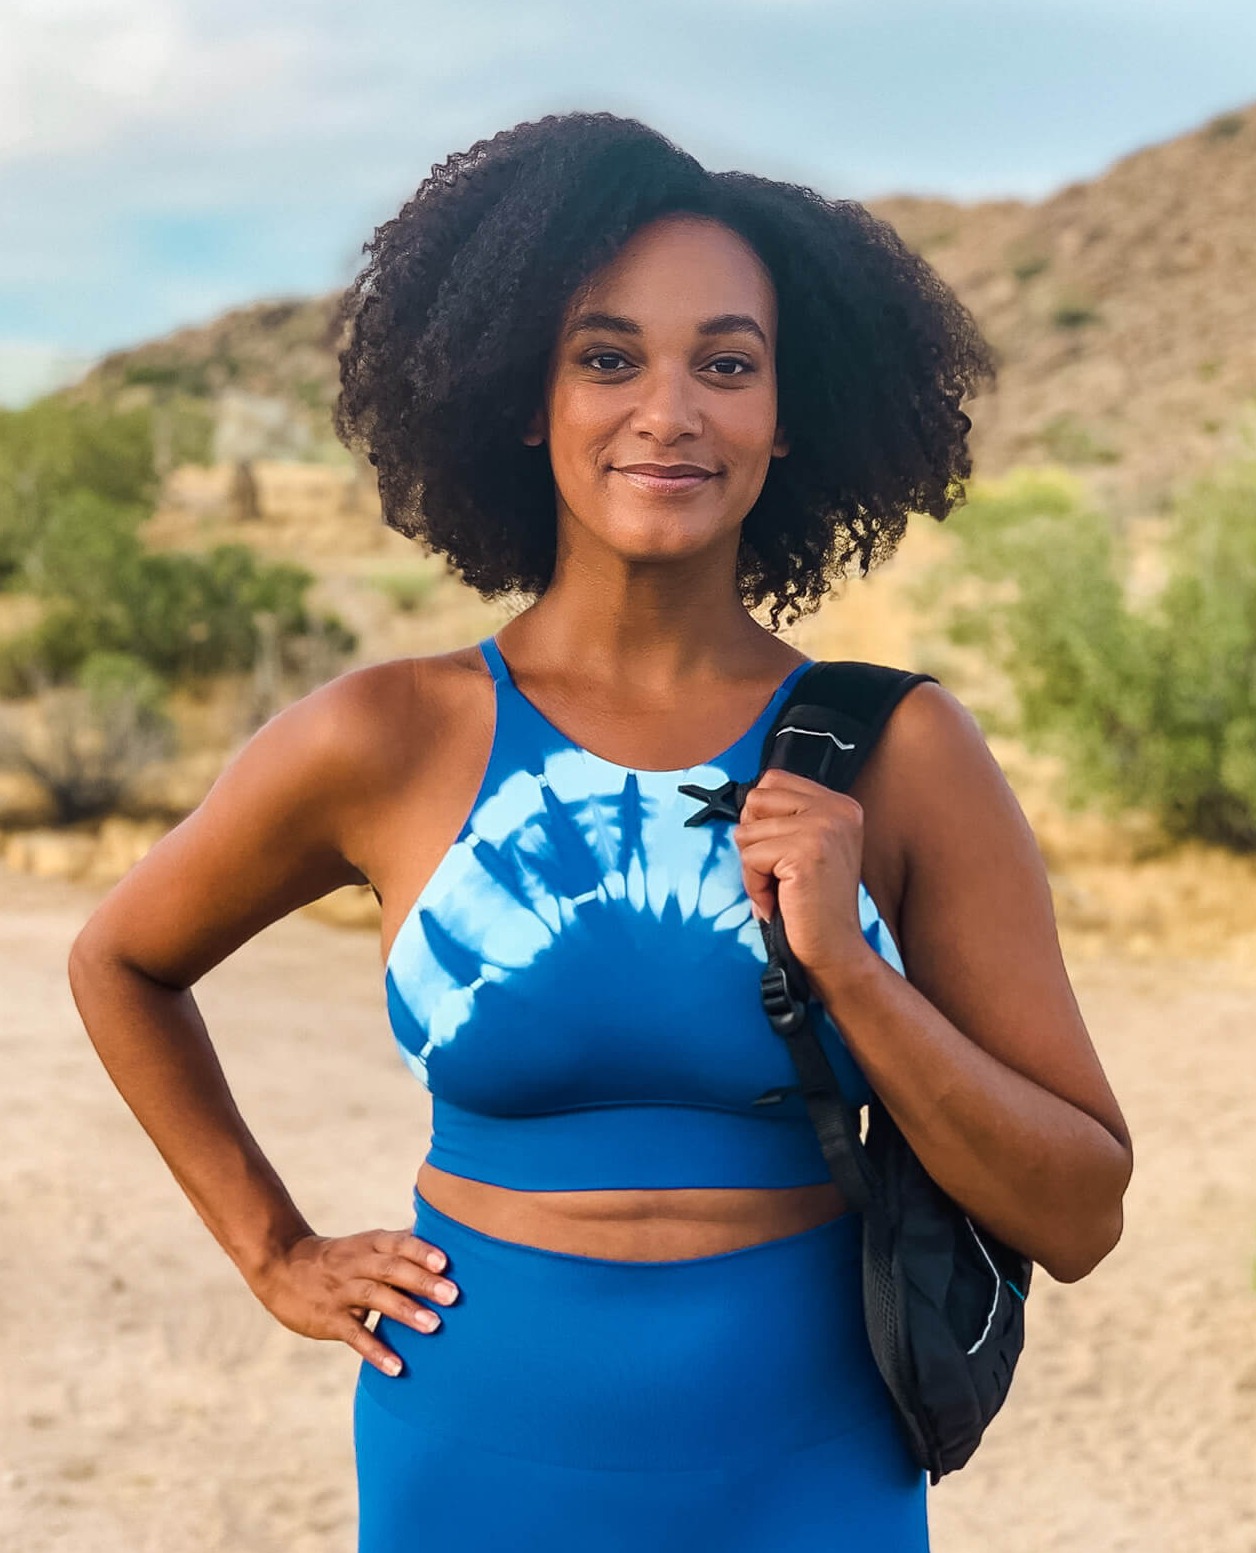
(780, 443)
(535, 434)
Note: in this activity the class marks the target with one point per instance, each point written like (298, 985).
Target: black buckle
(785, 1010)
(783, 987)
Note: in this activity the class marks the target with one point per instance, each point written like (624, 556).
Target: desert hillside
(1120, 309)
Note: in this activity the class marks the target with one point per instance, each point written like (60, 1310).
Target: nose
(667, 408)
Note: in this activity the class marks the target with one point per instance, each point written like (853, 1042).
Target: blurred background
(185, 548)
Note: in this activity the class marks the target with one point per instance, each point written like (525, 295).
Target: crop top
(578, 982)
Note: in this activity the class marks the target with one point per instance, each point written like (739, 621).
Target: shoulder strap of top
(496, 663)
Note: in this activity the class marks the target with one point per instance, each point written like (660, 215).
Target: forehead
(681, 267)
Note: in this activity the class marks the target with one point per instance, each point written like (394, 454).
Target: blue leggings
(579, 1404)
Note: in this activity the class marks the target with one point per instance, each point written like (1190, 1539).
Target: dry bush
(87, 743)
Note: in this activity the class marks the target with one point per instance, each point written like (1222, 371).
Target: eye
(596, 357)
(734, 362)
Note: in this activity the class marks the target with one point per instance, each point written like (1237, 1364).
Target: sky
(163, 160)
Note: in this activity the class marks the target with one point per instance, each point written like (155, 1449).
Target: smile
(672, 484)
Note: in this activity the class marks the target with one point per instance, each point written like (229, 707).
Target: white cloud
(80, 75)
(73, 71)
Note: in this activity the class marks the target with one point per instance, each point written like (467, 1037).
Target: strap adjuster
(785, 1010)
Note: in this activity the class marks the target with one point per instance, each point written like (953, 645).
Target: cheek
(581, 422)
(751, 424)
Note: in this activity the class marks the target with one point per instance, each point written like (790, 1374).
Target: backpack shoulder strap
(833, 718)
(826, 731)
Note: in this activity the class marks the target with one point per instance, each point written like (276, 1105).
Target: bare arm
(268, 837)
(981, 1054)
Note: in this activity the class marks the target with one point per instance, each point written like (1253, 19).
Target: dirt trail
(148, 1404)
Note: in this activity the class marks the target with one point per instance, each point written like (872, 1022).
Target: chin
(652, 535)
(649, 544)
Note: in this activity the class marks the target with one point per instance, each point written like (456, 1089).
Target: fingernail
(445, 1291)
(393, 1366)
(436, 1261)
(427, 1319)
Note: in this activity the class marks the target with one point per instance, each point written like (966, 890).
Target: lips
(665, 477)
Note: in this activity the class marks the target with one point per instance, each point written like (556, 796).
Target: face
(660, 410)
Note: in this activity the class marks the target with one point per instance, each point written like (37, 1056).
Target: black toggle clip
(719, 803)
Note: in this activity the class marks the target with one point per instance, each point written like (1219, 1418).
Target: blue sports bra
(578, 982)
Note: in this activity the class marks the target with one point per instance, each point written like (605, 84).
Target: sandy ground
(148, 1405)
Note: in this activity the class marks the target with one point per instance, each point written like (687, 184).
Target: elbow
(1077, 1260)
(78, 972)
(1094, 1233)
(81, 957)
(83, 965)
(76, 961)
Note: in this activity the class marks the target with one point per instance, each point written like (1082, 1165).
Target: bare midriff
(632, 1225)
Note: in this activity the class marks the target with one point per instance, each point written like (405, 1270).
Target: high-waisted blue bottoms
(579, 1404)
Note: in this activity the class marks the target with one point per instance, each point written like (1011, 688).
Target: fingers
(384, 1287)
(402, 1242)
(396, 1264)
(781, 792)
(367, 1346)
(330, 1286)
(406, 1251)
(771, 828)
(404, 1262)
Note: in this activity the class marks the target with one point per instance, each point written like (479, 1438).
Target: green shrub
(1074, 312)
(1152, 706)
(52, 449)
(183, 431)
(75, 484)
(112, 678)
(407, 590)
(1224, 127)
(84, 543)
(1067, 439)
(169, 377)
(1027, 265)
(184, 615)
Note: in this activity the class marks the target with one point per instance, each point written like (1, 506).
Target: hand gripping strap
(825, 732)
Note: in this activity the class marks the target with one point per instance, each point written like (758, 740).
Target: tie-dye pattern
(577, 984)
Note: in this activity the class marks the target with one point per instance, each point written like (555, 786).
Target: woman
(628, 1311)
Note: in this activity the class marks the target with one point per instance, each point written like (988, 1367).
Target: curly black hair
(449, 328)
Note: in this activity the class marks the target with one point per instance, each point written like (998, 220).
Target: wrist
(259, 1264)
(844, 971)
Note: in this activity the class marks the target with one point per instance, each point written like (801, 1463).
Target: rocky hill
(1122, 310)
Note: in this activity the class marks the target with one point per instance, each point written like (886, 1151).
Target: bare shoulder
(950, 799)
(931, 746)
(359, 727)
(956, 824)
(285, 821)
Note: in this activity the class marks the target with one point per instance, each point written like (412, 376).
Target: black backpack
(943, 1300)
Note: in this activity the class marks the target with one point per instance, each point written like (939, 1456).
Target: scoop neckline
(655, 771)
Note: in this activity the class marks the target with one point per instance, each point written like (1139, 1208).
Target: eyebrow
(614, 323)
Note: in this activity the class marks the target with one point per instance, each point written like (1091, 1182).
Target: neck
(653, 625)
